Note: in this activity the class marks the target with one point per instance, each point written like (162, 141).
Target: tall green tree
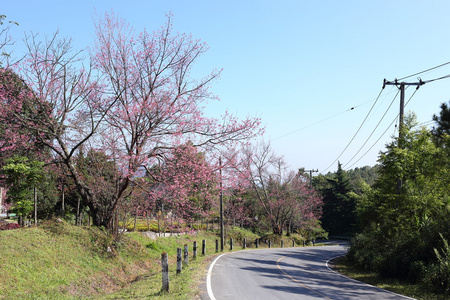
(443, 121)
(22, 177)
(339, 216)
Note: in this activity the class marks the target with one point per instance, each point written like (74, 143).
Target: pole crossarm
(397, 83)
(310, 175)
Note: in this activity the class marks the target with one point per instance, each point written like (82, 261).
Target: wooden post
(270, 243)
(194, 250)
(282, 243)
(217, 245)
(186, 254)
(62, 203)
(165, 271)
(293, 243)
(257, 243)
(244, 243)
(231, 244)
(35, 206)
(179, 264)
(203, 247)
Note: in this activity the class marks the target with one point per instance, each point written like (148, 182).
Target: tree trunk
(78, 211)
(277, 229)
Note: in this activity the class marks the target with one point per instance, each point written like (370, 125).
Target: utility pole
(401, 87)
(221, 206)
(310, 176)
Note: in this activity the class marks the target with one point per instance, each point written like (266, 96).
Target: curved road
(285, 273)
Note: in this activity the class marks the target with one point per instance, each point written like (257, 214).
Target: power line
(395, 119)
(426, 123)
(441, 65)
(376, 100)
(383, 132)
(333, 116)
(312, 124)
(431, 80)
(297, 130)
(373, 131)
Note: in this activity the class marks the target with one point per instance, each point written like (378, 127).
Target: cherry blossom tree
(6, 41)
(15, 138)
(134, 100)
(185, 183)
(158, 106)
(285, 197)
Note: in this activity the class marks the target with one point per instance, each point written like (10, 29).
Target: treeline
(404, 217)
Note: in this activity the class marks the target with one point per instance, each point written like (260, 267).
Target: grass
(60, 261)
(183, 286)
(343, 266)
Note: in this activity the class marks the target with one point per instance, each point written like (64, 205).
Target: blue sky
(298, 65)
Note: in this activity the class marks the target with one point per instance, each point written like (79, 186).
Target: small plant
(8, 226)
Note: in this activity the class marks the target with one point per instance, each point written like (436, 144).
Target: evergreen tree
(338, 216)
(443, 121)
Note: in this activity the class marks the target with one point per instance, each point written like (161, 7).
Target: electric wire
(431, 80)
(320, 121)
(383, 132)
(376, 100)
(395, 119)
(289, 133)
(426, 123)
(441, 65)
(373, 131)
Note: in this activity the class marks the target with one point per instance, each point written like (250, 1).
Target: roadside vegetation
(399, 286)
(57, 260)
(398, 224)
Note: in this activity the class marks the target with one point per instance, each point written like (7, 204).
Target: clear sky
(298, 65)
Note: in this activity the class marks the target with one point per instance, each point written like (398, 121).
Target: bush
(438, 275)
(238, 234)
(417, 271)
(8, 226)
(298, 239)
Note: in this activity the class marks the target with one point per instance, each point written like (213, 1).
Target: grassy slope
(60, 261)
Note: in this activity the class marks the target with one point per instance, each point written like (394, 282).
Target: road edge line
(208, 277)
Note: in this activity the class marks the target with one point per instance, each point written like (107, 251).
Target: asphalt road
(285, 273)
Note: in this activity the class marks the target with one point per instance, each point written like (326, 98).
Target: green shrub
(238, 234)
(417, 271)
(438, 275)
(298, 239)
